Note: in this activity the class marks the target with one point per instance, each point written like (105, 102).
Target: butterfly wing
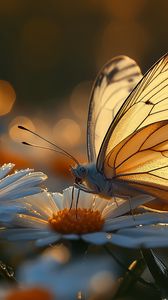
(112, 86)
(147, 104)
(141, 160)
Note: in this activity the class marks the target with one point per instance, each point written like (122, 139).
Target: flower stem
(132, 273)
(78, 248)
(158, 270)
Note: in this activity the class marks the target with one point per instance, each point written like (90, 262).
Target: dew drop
(109, 236)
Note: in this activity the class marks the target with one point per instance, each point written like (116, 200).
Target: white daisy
(20, 183)
(46, 278)
(49, 217)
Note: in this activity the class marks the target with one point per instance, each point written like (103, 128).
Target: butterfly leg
(73, 188)
(129, 200)
(85, 189)
(115, 200)
(77, 201)
(77, 198)
(131, 210)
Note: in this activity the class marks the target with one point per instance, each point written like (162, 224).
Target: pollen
(31, 293)
(79, 221)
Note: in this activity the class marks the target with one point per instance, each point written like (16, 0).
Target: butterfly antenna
(45, 148)
(62, 151)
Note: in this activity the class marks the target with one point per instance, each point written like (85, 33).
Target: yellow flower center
(79, 221)
(29, 294)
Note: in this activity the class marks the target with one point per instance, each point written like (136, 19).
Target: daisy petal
(7, 213)
(23, 220)
(142, 237)
(100, 204)
(5, 169)
(18, 193)
(58, 198)
(123, 206)
(71, 236)
(48, 240)
(98, 238)
(13, 177)
(18, 184)
(24, 234)
(41, 205)
(132, 221)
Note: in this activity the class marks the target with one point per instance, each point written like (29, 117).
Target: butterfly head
(80, 173)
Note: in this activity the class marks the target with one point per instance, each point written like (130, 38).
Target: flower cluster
(29, 213)
(47, 218)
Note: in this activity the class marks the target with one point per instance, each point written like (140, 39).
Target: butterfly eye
(82, 170)
(78, 180)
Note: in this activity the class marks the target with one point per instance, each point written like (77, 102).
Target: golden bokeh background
(50, 53)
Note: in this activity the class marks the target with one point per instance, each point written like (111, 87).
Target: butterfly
(127, 131)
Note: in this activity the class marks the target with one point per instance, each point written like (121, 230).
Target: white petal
(22, 220)
(5, 169)
(142, 237)
(41, 204)
(122, 207)
(58, 198)
(124, 241)
(100, 204)
(71, 236)
(19, 183)
(13, 177)
(110, 210)
(23, 234)
(148, 230)
(139, 243)
(7, 214)
(98, 238)
(85, 200)
(48, 240)
(67, 197)
(135, 220)
(18, 193)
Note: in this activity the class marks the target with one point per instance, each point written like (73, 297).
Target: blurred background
(50, 53)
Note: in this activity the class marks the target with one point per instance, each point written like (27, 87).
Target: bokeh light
(7, 97)
(67, 132)
(79, 99)
(103, 285)
(17, 134)
(124, 10)
(59, 252)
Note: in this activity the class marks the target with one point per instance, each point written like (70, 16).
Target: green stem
(78, 248)
(158, 270)
(132, 275)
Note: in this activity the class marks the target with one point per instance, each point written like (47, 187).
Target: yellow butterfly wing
(147, 104)
(141, 160)
(112, 86)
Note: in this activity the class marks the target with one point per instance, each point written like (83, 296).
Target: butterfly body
(88, 177)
